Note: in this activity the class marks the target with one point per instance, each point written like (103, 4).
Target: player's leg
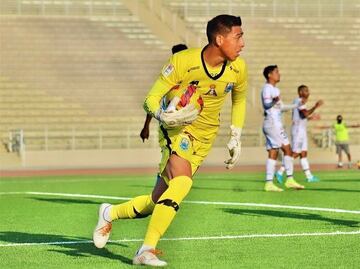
(296, 142)
(279, 173)
(178, 171)
(294, 147)
(289, 168)
(138, 207)
(339, 153)
(272, 146)
(301, 148)
(281, 170)
(347, 151)
(270, 171)
(283, 140)
(306, 168)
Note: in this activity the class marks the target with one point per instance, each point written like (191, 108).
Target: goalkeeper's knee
(179, 187)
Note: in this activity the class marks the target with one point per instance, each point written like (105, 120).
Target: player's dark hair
(178, 47)
(221, 24)
(339, 119)
(301, 87)
(268, 70)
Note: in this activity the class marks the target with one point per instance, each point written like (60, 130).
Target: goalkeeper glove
(234, 147)
(176, 118)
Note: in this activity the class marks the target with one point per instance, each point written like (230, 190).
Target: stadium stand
(308, 43)
(73, 73)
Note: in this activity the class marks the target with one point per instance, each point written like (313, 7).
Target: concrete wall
(151, 157)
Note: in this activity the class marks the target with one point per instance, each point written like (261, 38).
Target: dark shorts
(342, 146)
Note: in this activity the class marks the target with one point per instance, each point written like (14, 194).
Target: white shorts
(275, 135)
(299, 141)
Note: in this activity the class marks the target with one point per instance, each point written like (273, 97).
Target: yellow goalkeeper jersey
(214, 84)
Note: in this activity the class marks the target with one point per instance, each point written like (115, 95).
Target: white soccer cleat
(102, 230)
(148, 257)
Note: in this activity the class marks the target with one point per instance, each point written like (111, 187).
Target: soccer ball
(180, 96)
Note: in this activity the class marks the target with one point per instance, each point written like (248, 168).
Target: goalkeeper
(145, 131)
(186, 137)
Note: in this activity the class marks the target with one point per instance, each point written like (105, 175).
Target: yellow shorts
(184, 145)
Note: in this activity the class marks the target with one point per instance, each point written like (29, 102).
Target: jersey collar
(206, 71)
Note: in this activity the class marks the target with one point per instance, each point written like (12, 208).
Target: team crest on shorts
(184, 144)
(229, 87)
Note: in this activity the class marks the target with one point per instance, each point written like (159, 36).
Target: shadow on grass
(291, 215)
(194, 187)
(341, 180)
(78, 249)
(65, 201)
(331, 190)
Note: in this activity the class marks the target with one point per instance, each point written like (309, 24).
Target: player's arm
(285, 107)
(169, 77)
(147, 120)
(145, 132)
(238, 111)
(304, 113)
(297, 104)
(314, 116)
(238, 98)
(269, 99)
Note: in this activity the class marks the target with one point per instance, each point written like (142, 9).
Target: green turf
(41, 218)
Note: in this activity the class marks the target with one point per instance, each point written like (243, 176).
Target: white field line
(222, 237)
(332, 210)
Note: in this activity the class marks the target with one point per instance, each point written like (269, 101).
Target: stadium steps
(100, 59)
(9, 160)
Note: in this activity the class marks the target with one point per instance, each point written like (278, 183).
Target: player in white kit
(299, 142)
(275, 134)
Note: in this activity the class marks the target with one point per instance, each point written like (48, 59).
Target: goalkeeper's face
(232, 43)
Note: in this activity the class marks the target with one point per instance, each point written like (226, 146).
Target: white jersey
(273, 128)
(271, 112)
(298, 130)
(297, 119)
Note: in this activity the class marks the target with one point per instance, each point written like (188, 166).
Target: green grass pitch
(41, 227)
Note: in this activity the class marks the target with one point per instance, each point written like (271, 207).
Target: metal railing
(47, 139)
(325, 138)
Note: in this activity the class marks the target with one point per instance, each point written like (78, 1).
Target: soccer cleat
(279, 177)
(312, 179)
(148, 257)
(292, 184)
(102, 230)
(270, 186)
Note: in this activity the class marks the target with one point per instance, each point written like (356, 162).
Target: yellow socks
(165, 209)
(137, 207)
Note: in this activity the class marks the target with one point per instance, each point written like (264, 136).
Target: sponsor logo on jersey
(234, 69)
(193, 68)
(212, 90)
(184, 144)
(229, 87)
(168, 70)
